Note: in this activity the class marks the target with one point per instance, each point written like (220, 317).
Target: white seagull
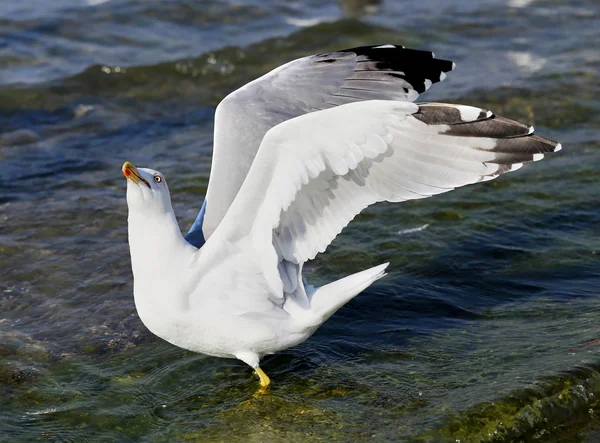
(298, 153)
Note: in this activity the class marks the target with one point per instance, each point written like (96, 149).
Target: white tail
(326, 300)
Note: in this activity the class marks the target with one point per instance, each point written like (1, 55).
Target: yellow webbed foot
(265, 381)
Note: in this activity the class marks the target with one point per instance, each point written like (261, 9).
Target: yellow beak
(130, 172)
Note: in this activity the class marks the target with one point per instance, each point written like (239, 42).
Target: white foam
(43, 411)
(307, 22)
(519, 3)
(411, 230)
(527, 61)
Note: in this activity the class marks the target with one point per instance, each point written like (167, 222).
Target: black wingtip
(512, 143)
(416, 66)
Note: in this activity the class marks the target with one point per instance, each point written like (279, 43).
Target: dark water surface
(484, 329)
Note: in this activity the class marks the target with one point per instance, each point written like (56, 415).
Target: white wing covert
(313, 174)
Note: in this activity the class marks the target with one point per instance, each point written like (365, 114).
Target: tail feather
(326, 300)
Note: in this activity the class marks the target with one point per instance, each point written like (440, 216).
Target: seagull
(298, 153)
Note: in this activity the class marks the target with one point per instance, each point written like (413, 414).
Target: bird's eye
(157, 178)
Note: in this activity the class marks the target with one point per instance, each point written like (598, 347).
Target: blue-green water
(484, 329)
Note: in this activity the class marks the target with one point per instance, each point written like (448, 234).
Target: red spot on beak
(127, 172)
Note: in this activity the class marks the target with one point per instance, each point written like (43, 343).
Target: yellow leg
(264, 380)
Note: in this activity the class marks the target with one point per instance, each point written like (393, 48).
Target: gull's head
(147, 190)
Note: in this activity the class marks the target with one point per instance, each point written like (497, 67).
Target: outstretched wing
(313, 174)
(305, 85)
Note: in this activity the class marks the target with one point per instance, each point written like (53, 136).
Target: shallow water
(484, 329)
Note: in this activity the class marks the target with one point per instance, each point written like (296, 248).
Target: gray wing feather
(305, 85)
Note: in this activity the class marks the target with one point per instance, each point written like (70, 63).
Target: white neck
(160, 259)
